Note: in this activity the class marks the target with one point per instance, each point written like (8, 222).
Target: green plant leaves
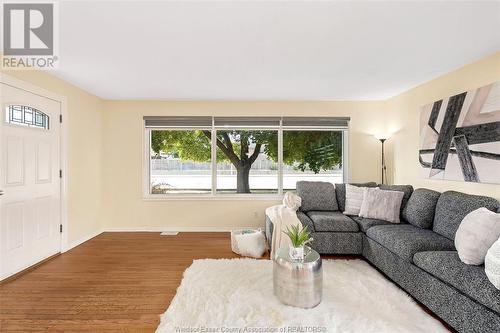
(298, 236)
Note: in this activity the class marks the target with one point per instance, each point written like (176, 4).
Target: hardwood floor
(116, 282)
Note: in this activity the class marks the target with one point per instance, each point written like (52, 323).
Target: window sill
(229, 197)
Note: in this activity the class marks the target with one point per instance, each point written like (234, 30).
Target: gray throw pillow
(421, 207)
(381, 204)
(406, 189)
(340, 192)
(317, 196)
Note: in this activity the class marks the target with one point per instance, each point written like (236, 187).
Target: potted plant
(299, 236)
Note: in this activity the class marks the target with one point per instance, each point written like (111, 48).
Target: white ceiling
(276, 50)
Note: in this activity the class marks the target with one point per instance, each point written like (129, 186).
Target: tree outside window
(246, 159)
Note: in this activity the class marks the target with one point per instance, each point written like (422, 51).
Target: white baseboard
(153, 229)
(33, 263)
(81, 241)
(178, 229)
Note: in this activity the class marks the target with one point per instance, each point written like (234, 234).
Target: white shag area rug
(236, 295)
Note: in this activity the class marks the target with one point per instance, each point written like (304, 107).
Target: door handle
(1, 192)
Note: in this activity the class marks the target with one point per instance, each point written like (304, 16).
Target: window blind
(178, 122)
(245, 122)
(301, 122)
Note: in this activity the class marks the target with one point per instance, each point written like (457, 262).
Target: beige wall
(105, 151)
(123, 137)
(84, 127)
(403, 112)
(125, 208)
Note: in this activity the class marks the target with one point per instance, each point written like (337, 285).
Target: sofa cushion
(340, 192)
(452, 207)
(317, 196)
(365, 223)
(470, 280)
(381, 204)
(332, 222)
(405, 240)
(406, 189)
(306, 221)
(421, 207)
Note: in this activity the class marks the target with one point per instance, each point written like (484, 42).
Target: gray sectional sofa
(418, 254)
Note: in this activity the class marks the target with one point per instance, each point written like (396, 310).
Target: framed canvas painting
(460, 137)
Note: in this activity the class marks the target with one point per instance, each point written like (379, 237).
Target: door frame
(63, 147)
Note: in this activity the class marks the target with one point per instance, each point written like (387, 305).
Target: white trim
(345, 156)
(17, 83)
(180, 229)
(63, 158)
(280, 157)
(81, 241)
(213, 157)
(146, 160)
(33, 263)
(216, 197)
(177, 128)
(64, 165)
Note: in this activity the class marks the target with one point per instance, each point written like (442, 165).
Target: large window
(245, 161)
(217, 156)
(180, 162)
(313, 155)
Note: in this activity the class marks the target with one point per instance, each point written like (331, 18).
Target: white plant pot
(296, 253)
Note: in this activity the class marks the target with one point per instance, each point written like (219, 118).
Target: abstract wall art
(460, 137)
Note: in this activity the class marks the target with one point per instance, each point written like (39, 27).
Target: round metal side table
(298, 283)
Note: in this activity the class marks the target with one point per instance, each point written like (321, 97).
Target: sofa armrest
(306, 221)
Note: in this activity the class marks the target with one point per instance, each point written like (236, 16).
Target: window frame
(213, 195)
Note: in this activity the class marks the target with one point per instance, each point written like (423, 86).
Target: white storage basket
(249, 243)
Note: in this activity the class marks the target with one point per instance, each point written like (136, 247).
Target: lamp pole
(383, 161)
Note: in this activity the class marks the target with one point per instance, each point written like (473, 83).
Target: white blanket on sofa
(283, 216)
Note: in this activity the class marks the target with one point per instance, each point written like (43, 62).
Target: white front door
(30, 203)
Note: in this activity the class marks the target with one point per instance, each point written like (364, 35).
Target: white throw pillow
(381, 204)
(492, 264)
(353, 199)
(476, 234)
